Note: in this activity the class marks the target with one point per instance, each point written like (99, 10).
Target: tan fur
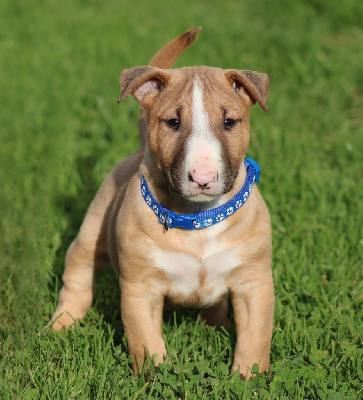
(120, 228)
(165, 58)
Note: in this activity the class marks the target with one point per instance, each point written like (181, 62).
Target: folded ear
(255, 84)
(142, 82)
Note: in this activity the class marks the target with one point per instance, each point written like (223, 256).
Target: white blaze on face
(203, 157)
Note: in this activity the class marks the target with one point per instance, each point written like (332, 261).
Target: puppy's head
(198, 123)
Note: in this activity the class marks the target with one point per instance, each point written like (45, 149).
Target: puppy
(181, 219)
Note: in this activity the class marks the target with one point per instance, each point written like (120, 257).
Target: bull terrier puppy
(181, 219)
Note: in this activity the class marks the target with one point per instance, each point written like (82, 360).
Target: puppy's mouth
(202, 183)
(200, 188)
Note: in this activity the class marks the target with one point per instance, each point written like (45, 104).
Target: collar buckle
(184, 221)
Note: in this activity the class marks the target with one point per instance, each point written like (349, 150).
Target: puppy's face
(198, 128)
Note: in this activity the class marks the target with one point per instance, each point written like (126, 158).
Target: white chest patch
(189, 276)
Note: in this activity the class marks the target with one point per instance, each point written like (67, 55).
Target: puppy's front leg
(253, 305)
(142, 313)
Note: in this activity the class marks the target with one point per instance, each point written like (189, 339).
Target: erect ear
(142, 82)
(255, 84)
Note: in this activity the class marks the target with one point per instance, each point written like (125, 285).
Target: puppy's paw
(60, 322)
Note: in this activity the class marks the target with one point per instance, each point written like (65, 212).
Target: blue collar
(205, 218)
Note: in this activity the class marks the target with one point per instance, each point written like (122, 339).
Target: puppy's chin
(202, 198)
(191, 197)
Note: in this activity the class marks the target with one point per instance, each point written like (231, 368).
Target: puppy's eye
(229, 123)
(173, 123)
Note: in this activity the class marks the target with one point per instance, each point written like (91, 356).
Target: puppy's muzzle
(203, 180)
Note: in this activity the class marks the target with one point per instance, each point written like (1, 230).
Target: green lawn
(61, 131)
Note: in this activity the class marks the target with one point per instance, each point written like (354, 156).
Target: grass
(61, 131)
